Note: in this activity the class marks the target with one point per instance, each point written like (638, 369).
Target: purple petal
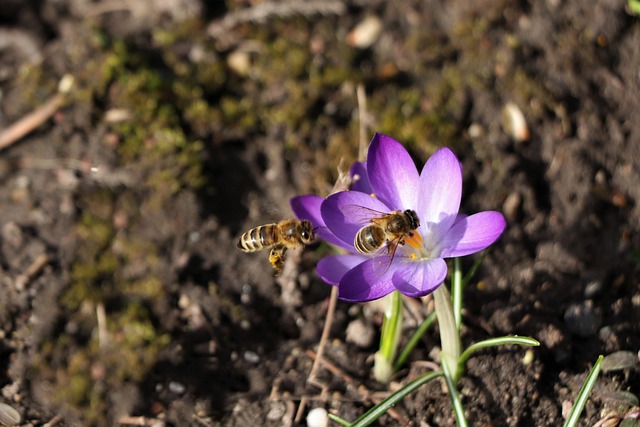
(332, 268)
(364, 283)
(440, 191)
(417, 279)
(308, 207)
(338, 213)
(392, 173)
(472, 234)
(358, 174)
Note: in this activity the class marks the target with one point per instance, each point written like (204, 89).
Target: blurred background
(139, 139)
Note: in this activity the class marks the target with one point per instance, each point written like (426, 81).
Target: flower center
(425, 249)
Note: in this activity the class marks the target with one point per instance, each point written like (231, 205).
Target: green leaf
(493, 342)
(458, 409)
(583, 395)
(381, 408)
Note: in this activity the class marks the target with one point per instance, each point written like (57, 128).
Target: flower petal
(417, 279)
(358, 174)
(308, 207)
(332, 268)
(340, 215)
(440, 191)
(364, 283)
(392, 173)
(472, 234)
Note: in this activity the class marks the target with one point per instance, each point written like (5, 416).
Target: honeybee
(384, 231)
(287, 234)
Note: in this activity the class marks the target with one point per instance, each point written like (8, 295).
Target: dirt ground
(123, 300)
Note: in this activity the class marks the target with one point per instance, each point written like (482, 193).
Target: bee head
(414, 221)
(306, 232)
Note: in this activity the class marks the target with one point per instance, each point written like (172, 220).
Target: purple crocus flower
(417, 268)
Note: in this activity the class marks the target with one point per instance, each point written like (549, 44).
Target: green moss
(135, 343)
(82, 376)
(148, 287)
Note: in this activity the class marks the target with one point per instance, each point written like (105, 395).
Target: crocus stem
(391, 327)
(449, 336)
(456, 291)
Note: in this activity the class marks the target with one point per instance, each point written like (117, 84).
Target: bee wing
(385, 256)
(362, 215)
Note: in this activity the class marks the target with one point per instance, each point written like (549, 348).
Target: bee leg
(277, 258)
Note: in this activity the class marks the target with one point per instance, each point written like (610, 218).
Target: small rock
(582, 319)
(514, 123)
(554, 339)
(360, 333)
(318, 417)
(511, 205)
(176, 387)
(592, 288)
(12, 235)
(365, 33)
(251, 356)
(8, 415)
(240, 62)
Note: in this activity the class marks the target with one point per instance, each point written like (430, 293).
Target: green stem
(390, 336)
(456, 291)
(449, 334)
(413, 341)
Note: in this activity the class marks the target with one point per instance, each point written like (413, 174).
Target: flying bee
(287, 234)
(384, 232)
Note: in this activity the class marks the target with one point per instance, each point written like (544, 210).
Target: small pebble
(582, 319)
(592, 288)
(475, 131)
(360, 333)
(318, 417)
(251, 357)
(529, 355)
(366, 32)
(514, 123)
(176, 387)
(511, 206)
(240, 62)
(8, 415)
(277, 411)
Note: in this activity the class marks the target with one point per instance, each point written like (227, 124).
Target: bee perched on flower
(391, 183)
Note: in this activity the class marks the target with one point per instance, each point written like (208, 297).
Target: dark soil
(123, 299)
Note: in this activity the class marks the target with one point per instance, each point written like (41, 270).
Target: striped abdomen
(258, 238)
(369, 239)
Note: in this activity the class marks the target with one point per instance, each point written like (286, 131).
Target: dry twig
(362, 122)
(140, 421)
(34, 119)
(36, 266)
(365, 394)
(54, 421)
(270, 9)
(31, 121)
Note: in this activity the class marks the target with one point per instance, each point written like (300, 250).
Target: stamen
(415, 241)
